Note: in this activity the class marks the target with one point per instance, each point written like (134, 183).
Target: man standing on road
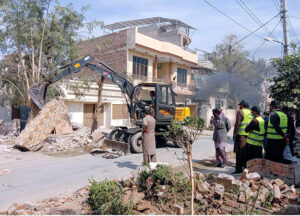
(277, 133)
(243, 118)
(221, 127)
(148, 137)
(256, 130)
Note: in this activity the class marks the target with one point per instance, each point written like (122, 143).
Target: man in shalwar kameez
(221, 127)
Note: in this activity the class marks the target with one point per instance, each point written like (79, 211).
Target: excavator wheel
(114, 134)
(135, 141)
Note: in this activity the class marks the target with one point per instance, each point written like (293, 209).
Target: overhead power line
(294, 17)
(261, 45)
(252, 15)
(276, 5)
(233, 20)
(258, 29)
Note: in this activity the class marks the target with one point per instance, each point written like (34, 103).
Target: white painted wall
(75, 110)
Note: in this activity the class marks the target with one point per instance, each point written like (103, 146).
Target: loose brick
(253, 176)
(279, 182)
(277, 193)
(232, 203)
(178, 209)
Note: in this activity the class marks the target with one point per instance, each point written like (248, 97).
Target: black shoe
(219, 165)
(222, 165)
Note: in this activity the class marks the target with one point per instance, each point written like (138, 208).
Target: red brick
(232, 203)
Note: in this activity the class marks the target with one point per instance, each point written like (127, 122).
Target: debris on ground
(164, 191)
(9, 130)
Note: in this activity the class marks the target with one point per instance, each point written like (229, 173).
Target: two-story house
(153, 49)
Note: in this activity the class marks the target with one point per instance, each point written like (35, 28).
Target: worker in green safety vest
(255, 139)
(277, 133)
(243, 118)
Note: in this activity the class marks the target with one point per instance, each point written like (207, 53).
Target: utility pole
(285, 27)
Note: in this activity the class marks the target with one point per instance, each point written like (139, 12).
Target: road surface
(35, 176)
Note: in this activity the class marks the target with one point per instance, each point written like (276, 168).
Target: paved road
(37, 176)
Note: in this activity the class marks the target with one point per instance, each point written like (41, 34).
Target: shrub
(105, 197)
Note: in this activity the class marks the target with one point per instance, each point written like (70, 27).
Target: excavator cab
(158, 97)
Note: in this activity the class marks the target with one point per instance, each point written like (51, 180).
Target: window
(140, 66)
(181, 76)
(164, 96)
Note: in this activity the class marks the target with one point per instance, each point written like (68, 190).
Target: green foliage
(36, 38)
(268, 200)
(161, 175)
(286, 84)
(105, 197)
(184, 133)
(177, 185)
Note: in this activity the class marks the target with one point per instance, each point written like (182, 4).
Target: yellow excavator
(137, 98)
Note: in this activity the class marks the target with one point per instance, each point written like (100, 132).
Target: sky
(212, 26)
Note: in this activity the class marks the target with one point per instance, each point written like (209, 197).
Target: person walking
(243, 118)
(148, 137)
(221, 127)
(255, 139)
(277, 133)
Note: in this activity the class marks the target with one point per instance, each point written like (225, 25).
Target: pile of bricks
(290, 173)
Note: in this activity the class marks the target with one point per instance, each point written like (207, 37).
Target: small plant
(105, 197)
(268, 200)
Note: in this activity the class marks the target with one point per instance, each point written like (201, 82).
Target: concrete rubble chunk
(244, 173)
(179, 210)
(277, 193)
(219, 191)
(97, 135)
(199, 196)
(253, 176)
(284, 187)
(203, 187)
(12, 209)
(278, 181)
(225, 178)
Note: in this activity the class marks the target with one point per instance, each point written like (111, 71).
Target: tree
(185, 135)
(286, 84)
(36, 38)
(237, 76)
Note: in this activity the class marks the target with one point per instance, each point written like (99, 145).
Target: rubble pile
(9, 130)
(79, 140)
(162, 191)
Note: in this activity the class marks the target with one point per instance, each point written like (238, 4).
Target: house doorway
(88, 111)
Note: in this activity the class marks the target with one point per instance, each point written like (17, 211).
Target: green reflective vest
(247, 119)
(257, 137)
(271, 133)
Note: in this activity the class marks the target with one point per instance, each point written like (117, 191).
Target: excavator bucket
(37, 92)
(117, 146)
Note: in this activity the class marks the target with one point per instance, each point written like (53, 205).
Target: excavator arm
(37, 92)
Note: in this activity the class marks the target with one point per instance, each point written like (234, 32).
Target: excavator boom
(37, 92)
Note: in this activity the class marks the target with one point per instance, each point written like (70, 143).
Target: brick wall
(110, 49)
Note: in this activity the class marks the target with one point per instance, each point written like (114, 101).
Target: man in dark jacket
(277, 133)
(221, 127)
(243, 118)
